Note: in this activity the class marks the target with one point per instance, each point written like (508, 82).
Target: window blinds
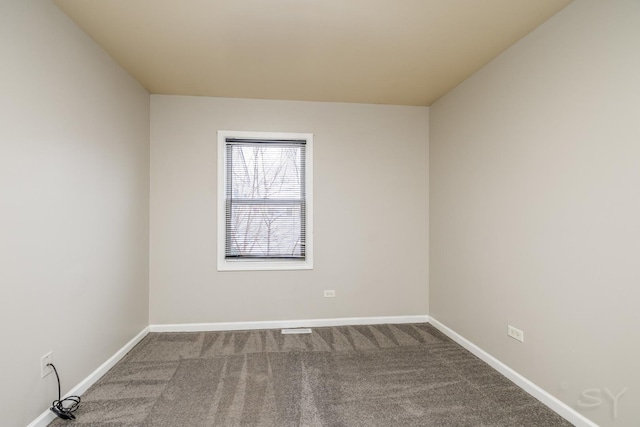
(265, 199)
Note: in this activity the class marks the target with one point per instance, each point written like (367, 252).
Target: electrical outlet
(329, 293)
(44, 361)
(515, 333)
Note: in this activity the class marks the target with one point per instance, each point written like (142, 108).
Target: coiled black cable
(64, 408)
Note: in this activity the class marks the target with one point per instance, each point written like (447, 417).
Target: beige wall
(370, 217)
(74, 153)
(535, 207)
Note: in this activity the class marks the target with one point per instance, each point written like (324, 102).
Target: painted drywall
(370, 212)
(535, 208)
(74, 185)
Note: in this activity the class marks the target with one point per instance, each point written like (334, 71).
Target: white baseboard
(555, 404)
(543, 396)
(47, 416)
(279, 324)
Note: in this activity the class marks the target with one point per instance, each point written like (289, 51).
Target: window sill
(224, 265)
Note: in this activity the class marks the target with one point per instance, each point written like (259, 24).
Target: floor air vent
(296, 331)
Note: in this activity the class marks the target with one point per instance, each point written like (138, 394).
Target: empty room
(320, 213)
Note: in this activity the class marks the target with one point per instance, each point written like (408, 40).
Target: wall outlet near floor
(44, 361)
(329, 293)
(515, 333)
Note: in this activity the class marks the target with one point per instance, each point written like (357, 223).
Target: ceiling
(406, 52)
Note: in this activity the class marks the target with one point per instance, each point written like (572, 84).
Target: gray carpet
(382, 375)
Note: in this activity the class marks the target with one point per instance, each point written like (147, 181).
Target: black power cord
(64, 408)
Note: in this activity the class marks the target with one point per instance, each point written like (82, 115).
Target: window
(264, 201)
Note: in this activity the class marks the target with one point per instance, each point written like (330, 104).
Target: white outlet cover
(44, 360)
(515, 333)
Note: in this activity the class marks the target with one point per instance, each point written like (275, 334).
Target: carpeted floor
(382, 375)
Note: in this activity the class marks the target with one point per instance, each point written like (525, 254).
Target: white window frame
(240, 265)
